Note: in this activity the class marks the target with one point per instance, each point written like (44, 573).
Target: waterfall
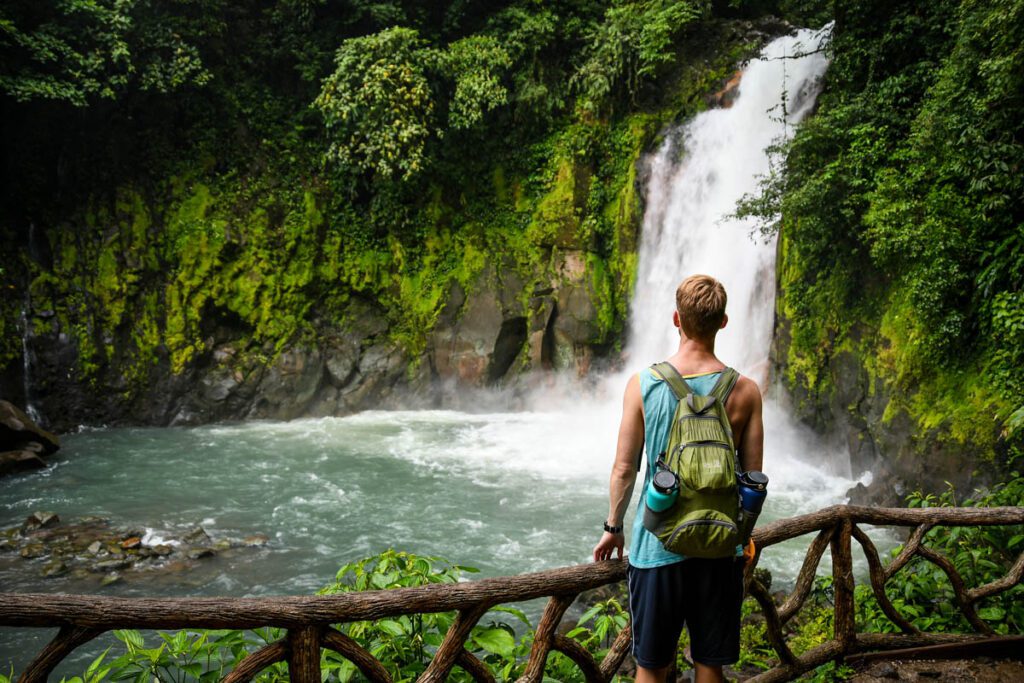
(696, 178)
(26, 333)
(26, 361)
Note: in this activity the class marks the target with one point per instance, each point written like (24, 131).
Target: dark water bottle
(753, 487)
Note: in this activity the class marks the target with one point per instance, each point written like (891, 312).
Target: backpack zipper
(700, 522)
(708, 442)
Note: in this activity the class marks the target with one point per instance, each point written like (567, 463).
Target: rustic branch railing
(309, 620)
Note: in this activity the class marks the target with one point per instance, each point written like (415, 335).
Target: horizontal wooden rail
(308, 619)
(791, 527)
(43, 609)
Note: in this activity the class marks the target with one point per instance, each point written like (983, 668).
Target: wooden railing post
(66, 640)
(544, 636)
(842, 584)
(454, 641)
(304, 654)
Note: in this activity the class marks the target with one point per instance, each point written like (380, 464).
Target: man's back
(703, 594)
(743, 407)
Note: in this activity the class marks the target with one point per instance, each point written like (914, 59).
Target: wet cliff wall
(257, 283)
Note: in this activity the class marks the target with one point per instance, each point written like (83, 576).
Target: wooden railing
(309, 621)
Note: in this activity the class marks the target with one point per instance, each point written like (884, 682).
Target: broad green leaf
(496, 640)
(130, 637)
(391, 627)
(991, 613)
(517, 613)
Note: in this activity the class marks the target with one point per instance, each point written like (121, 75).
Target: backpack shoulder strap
(664, 370)
(724, 386)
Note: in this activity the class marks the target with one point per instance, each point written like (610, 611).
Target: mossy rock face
(883, 428)
(220, 291)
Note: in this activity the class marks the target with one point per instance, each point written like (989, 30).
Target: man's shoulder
(746, 392)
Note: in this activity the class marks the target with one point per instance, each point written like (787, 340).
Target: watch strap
(612, 529)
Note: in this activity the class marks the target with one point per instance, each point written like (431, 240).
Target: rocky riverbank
(98, 552)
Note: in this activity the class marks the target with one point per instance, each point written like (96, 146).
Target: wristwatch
(613, 529)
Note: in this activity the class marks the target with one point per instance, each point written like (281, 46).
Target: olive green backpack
(700, 452)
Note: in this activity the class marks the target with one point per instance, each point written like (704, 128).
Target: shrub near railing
(980, 554)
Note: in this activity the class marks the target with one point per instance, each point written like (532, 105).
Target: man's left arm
(623, 478)
(751, 446)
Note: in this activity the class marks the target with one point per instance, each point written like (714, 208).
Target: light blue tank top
(645, 550)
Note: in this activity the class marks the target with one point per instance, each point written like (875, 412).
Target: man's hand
(609, 543)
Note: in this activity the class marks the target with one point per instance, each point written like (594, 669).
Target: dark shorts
(705, 595)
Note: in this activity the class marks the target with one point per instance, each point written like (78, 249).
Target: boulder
(290, 384)
(576, 314)
(341, 357)
(17, 430)
(19, 461)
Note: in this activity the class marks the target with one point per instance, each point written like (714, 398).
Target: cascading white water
(696, 178)
(26, 361)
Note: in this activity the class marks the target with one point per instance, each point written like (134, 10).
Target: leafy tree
(631, 44)
(78, 51)
(383, 102)
(378, 105)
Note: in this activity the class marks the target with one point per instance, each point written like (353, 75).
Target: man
(667, 590)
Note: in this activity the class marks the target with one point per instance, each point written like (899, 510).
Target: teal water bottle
(663, 491)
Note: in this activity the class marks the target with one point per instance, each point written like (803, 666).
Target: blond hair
(700, 300)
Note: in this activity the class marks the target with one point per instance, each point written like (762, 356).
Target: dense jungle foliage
(265, 164)
(901, 216)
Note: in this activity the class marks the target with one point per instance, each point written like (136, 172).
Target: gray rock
(576, 315)
(95, 548)
(341, 358)
(198, 553)
(197, 535)
(256, 540)
(111, 578)
(462, 351)
(162, 550)
(54, 568)
(33, 550)
(219, 388)
(290, 384)
(20, 461)
(40, 520)
(112, 565)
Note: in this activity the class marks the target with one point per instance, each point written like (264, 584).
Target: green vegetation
(404, 645)
(901, 225)
(267, 170)
(921, 591)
